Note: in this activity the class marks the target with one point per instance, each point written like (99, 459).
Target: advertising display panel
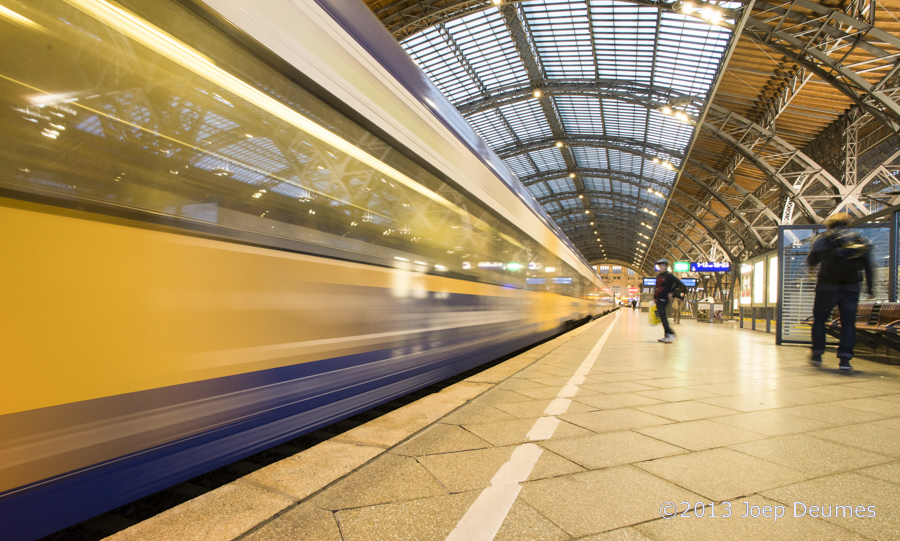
(649, 282)
(759, 282)
(689, 282)
(746, 284)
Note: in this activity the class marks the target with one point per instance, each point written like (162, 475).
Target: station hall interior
(462, 270)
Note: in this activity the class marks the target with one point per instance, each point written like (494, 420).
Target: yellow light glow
(169, 47)
(14, 17)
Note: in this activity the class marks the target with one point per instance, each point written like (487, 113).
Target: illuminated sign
(759, 282)
(562, 280)
(649, 282)
(535, 281)
(773, 280)
(535, 266)
(490, 265)
(689, 282)
(514, 266)
(711, 266)
(681, 266)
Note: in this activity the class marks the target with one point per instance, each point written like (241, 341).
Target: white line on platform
(558, 406)
(483, 520)
(543, 428)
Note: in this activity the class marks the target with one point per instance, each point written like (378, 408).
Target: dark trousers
(846, 298)
(661, 306)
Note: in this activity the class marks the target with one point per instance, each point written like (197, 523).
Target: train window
(116, 106)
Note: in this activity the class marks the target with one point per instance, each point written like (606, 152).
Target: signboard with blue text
(711, 266)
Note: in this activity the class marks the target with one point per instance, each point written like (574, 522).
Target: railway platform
(603, 434)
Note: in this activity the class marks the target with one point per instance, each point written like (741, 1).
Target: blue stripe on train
(50, 506)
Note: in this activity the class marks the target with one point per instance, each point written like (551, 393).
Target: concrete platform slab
(647, 423)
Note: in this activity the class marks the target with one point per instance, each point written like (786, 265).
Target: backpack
(848, 255)
(849, 246)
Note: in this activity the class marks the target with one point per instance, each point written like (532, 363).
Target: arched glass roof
(591, 103)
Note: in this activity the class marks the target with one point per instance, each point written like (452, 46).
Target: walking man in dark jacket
(666, 283)
(842, 256)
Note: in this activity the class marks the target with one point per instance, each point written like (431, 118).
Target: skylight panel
(549, 159)
(624, 161)
(496, 65)
(570, 204)
(595, 184)
(561, 33)
(538, 190)
(526, 119)
(580, 115)
(520, 166)
(434, 54)
(490, 127)
(626, 120)
(561, 185)
(590, 157)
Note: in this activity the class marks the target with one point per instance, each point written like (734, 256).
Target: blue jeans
(661, 306)
(846, 298)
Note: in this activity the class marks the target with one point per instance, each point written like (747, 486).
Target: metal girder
(805, 40)
(759, 145)
(631, 146)
(405, 21)
(649, 96)
(732, 210)
(624, 177)
(618, 225)
(770, 154)
(610, 196)
(518, 32)
(709, 230)
(748, 244)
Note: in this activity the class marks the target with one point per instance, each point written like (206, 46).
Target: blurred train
(226, 224)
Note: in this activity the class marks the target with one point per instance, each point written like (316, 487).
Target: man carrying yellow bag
(654, 316)
(666, 284)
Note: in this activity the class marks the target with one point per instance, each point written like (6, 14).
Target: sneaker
(668, 339)
(845, 365)
(816, 359)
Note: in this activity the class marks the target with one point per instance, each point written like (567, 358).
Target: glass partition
(797, 280)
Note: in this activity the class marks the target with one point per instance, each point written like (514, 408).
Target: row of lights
(664, 163)
(679, 115)
(705, 12)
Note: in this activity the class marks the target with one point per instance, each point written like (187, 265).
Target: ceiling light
(559, 144)
(537, 93)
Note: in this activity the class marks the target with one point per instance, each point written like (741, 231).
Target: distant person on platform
(842, 255)
(666, 284)
(676, 302)
(633, 304)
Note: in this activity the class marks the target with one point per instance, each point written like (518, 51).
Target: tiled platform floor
(722, 415)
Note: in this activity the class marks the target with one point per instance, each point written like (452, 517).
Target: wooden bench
(876, 324)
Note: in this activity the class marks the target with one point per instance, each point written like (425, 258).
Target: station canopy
(592, 105)
(686, 130)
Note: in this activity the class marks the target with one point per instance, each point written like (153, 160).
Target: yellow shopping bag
(654, 316)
